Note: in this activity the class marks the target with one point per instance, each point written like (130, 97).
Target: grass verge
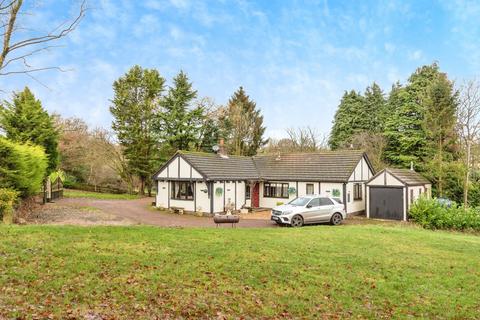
(70, 193)
(322, 271)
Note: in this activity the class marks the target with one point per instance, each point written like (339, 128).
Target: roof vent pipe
(411, 166)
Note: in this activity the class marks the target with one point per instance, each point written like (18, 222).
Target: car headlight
(287, 212)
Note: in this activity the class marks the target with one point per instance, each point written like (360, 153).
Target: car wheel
(336, 219)
(297, 221)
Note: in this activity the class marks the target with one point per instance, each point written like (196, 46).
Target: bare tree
(113, 156)
(468, 121)
(373, 144)
(92, 156)
(305, 139)
(16, 51)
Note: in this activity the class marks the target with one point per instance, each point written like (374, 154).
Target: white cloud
(463, 17)
(154, 4)
(146, 25)
(389, 47)
(175, 33)
(180, 4)
(415, 55)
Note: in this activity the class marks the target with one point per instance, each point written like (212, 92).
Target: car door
(325, 209)
(312, 213)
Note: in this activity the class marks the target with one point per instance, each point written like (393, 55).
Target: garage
(391, 192)
(386, 203)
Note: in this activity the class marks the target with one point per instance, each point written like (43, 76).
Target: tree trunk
(440, 176)
(467, 176)
(149, 189)
(142, 186)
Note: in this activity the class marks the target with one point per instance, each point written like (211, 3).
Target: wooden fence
(100, 189)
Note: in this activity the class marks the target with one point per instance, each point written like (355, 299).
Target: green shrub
(22, 167)
(57, 174)
(430, 214)
(70, 181)
(7, 199)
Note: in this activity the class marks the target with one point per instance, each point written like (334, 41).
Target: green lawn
(320, 271)
(69, 193)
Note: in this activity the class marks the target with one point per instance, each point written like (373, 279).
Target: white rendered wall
(362, 171)
(217, 199)
(162, 194)
(355, 205)
(186, 170)
(201, 193)
(240, 195)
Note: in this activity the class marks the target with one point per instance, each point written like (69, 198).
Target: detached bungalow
(211, 183)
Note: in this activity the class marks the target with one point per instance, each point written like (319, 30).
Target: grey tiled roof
(407, 176)
(214, 167)
(321, 166)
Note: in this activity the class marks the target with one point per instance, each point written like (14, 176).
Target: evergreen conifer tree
(25, 120)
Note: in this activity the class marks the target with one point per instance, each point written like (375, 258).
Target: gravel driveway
(131, 212)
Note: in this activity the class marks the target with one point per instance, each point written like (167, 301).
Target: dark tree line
(152, 121)
(415, 122)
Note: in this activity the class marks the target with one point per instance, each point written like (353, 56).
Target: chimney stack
(221, 149)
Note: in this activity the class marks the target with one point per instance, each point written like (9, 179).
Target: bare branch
(32, 70)
(38, 81)
(9, 28)
(468, 122)
(52, 36)
(23, 57)
(4, 6)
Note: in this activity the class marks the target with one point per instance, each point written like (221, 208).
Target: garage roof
(406, 176)
(329, 166)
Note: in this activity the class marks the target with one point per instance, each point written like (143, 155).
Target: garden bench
(226, 218)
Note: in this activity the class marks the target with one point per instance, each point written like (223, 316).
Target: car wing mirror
(309, 206)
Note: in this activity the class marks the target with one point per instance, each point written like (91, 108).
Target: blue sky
(294, 58)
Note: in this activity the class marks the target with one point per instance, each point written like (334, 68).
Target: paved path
(141, 211)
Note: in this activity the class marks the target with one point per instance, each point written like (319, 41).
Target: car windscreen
(299, 201)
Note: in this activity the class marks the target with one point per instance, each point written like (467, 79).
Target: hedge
(22, 167)
(7, 200)
(431, 214)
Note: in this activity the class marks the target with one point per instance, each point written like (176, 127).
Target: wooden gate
(57, 189)
(52, 190)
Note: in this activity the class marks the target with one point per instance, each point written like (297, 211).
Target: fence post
(44, 192)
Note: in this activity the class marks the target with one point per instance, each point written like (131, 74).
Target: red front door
(256, 195)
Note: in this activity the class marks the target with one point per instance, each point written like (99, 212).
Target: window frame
(248, 195)
(312, 186)
(270, 190)
(314, 199)
(183, 197)
(357, 192)
(321, 199)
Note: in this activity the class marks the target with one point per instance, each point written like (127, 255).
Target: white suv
(309, 209)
